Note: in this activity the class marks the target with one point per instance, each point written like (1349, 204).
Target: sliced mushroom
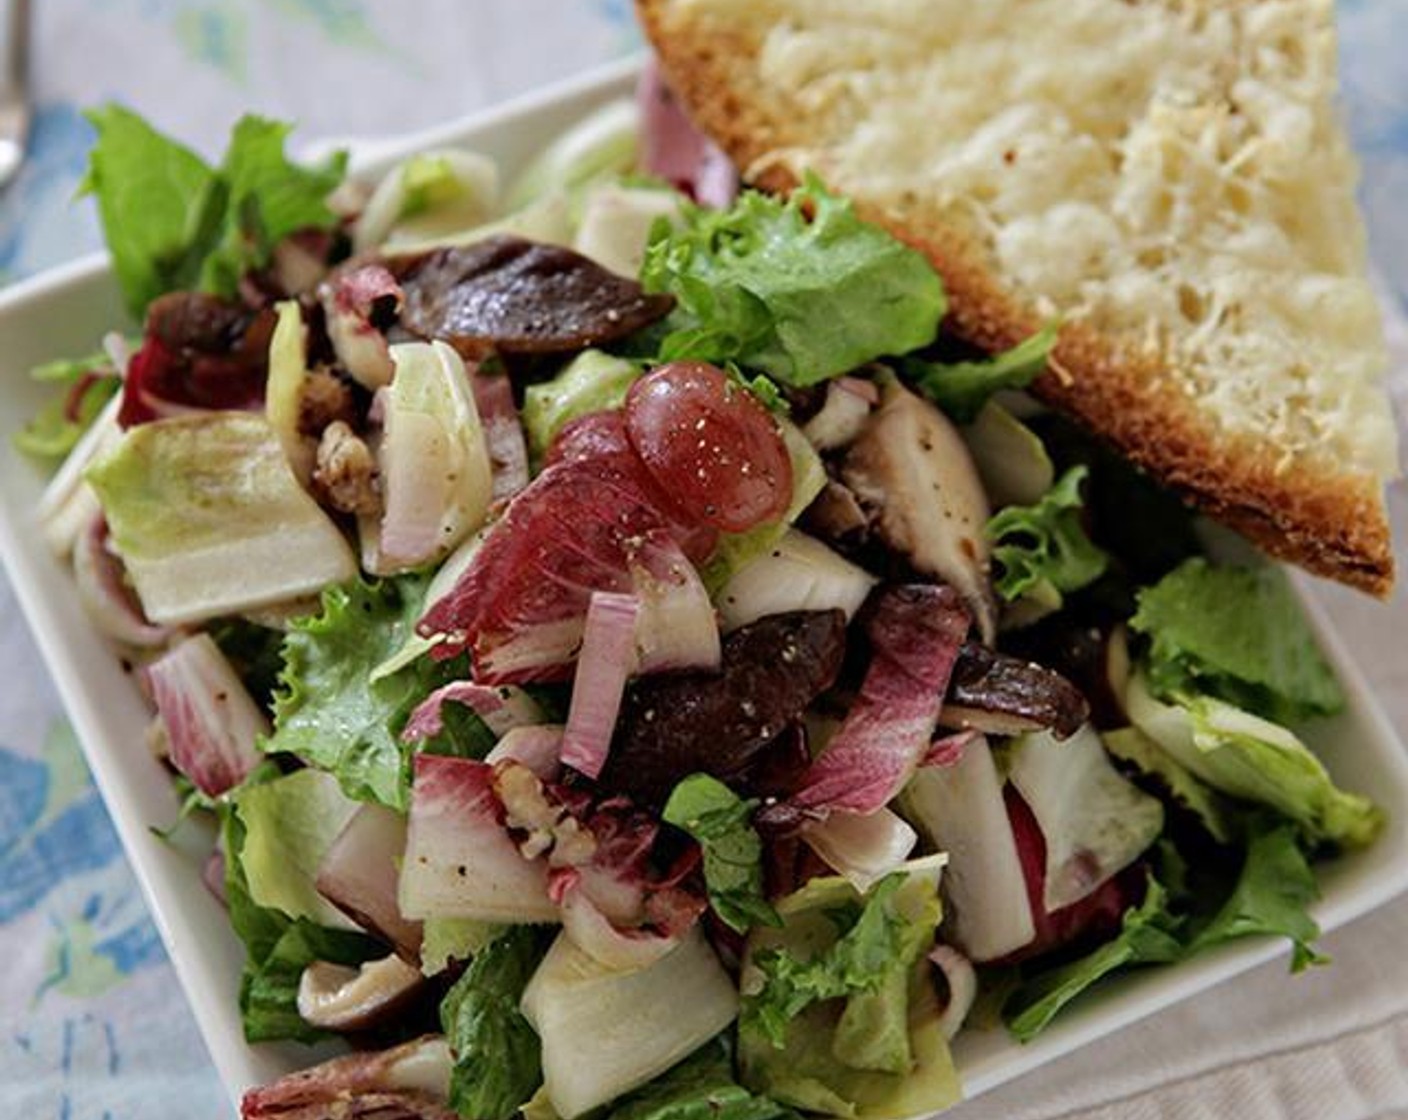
(835, 514)
(509, 295)
(350, 999)
(912, 468)
(843, 415)
(1001, 695)
(722, 722)
(1093, 656)
(196, 322)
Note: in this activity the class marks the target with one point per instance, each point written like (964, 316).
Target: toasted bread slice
(1169, 176)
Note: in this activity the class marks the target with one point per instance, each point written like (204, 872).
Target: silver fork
(14, 90)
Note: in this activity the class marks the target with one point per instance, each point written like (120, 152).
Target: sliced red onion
(360, 876)
(212, 723)
(607, 660)
(915, 634)
(842, 415)
(409, 1082)
(962, 981)
(508, 450)
(105, 594)
(579, 527)
(501, 707)
(460, 860)
(862, 848)
(539, 748)
(677, 151)
(676, 627)
(349, 299)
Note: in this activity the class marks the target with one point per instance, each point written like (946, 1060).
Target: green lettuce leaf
(453, 939)
(1261, 761)
(701, 1087)
(962, 388)
(84, 388)
(1045, 542)
(210, 520)
(266, 198)
(255, 653)
(429, 180)
(498, 1061)
(1256, 760)
(1148, 935)
(721, 822)
(802, 300)
(330, 713)
(159, 203)
(834, 944)
(846, 983)
(808, 1074)
(855, 962)
(1271, 894)
(1237, 634)
(1133, 746)
(290, 823)
(173, 222)
(277, 950)
(590, 382)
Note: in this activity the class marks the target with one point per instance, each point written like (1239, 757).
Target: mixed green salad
(639, 664)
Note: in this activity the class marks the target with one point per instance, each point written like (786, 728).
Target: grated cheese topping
(1172, 171)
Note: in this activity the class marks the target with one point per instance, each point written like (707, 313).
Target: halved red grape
(710, 445)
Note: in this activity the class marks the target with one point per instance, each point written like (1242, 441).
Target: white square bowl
(66, 311)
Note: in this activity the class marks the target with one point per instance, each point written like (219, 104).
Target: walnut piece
(346, 474)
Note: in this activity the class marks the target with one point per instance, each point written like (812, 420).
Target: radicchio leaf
(592, 521)
(211, 721)
(386, 1085)
(915, 634)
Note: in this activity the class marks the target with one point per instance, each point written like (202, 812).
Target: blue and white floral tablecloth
(93, 1025)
